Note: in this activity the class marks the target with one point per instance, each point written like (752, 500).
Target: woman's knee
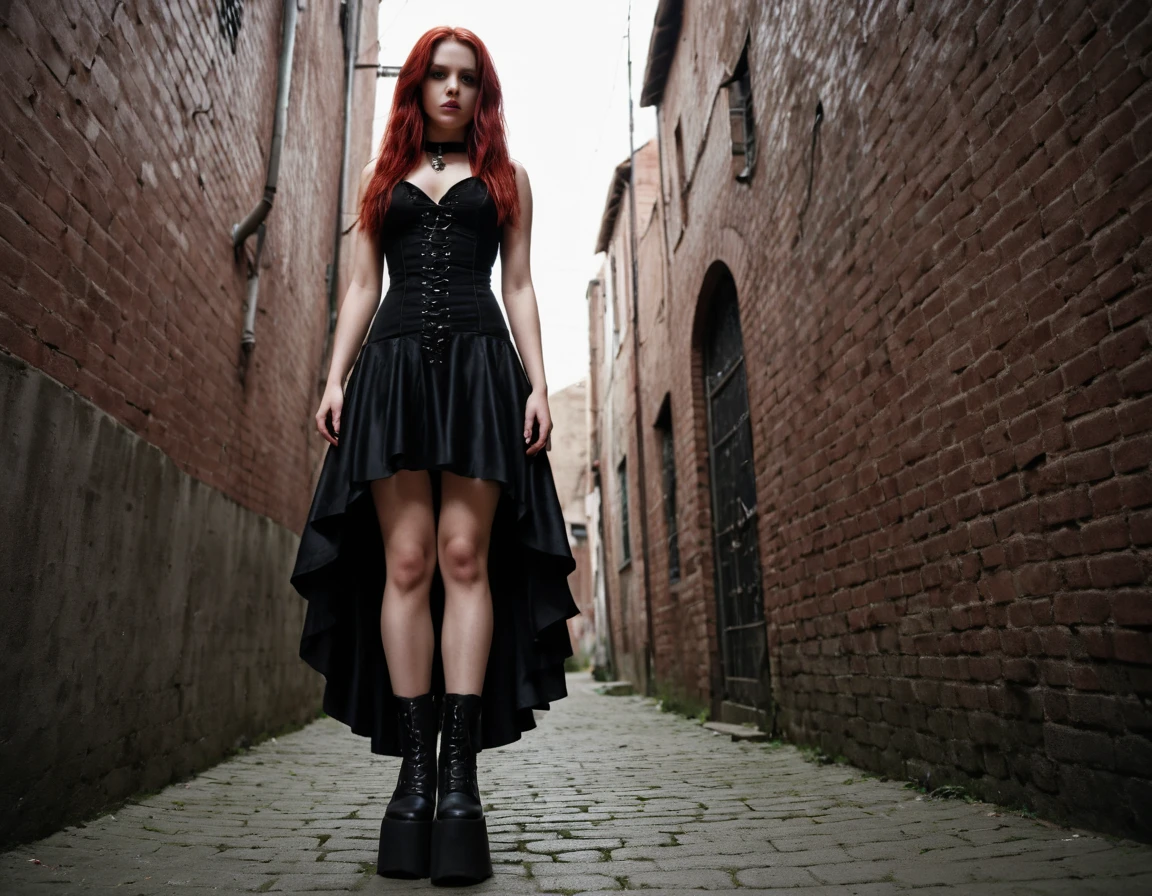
(462, 559)
(411, 563)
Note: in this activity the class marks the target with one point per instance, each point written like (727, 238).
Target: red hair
(401, 146)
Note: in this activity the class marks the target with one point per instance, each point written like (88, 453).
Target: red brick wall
(612, 408)
(948, 362)
(132, 140)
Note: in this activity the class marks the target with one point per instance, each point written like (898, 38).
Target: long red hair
(401, 146)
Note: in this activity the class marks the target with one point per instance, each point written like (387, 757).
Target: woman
(432, 522)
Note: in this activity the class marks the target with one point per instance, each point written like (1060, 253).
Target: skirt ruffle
(466, 416)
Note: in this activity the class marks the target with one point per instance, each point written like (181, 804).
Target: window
(606, 314)
(624, 292)
(614, 303)
(664, 425)
(625, 535)
(616, 317)
(231, 15)
(681, 177)
(743, 129)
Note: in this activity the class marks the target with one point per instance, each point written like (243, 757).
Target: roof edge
(620, 177)
(661, 50)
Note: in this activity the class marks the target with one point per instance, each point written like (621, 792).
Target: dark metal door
(740, 603)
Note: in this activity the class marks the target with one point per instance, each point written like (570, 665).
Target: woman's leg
(404, 507)
(467, 508)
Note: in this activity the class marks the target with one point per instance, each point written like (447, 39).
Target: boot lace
(461, 762)
(417, 767)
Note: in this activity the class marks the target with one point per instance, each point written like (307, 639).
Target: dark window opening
(664, 425)
(681, 174)
(614, 285)
(231, 16)
(625, 535)
(741, 123)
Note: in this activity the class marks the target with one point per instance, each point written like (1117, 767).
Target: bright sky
(566, 103)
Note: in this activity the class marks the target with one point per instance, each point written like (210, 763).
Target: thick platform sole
(460, 852)
(405, 848)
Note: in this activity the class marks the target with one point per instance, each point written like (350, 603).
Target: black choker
(438, 150)
(432, 146)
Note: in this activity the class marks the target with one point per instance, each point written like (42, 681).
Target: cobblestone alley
(608, 793)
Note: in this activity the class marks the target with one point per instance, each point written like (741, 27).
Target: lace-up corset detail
(440, 257)
(436, 253)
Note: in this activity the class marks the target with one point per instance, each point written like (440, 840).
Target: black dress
(438, 385)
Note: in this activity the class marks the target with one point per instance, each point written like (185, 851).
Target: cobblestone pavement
(607, 794)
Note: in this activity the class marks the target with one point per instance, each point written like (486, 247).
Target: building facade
(618, 539)
(155, 471)
(568, 459)
(896, 363)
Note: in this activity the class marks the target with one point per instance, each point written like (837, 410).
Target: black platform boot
(459, 834)
(406, 831)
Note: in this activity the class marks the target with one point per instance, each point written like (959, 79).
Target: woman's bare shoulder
(523, 185)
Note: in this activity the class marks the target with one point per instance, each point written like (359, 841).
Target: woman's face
(451, 86)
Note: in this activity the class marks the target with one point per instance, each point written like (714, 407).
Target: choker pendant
(438, 150)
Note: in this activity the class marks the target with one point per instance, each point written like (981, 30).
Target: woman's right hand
(331, 403)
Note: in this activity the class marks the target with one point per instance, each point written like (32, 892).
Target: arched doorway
(746, 689)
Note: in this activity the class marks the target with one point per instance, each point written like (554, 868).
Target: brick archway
(741, 678)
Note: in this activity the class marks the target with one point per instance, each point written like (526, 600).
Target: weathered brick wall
(133, 139)
(949, 376)
(612, 398)
(569, 461)
(152, 495)
(611, 441)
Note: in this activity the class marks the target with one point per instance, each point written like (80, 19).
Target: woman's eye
(469, 78)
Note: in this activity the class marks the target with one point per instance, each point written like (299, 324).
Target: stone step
(615, 689)
(738, 732)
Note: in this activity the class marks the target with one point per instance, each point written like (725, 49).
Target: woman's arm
(355, 315)
(516, 285)
(362, 297)
(523, 314)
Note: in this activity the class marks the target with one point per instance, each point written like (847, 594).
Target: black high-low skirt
(465, 415)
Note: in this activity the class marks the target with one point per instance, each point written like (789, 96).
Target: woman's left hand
(536, 413)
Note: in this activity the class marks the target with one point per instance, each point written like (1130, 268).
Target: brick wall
(947, 347)
(152, 493)
(569, 461)
(612, 406)
(133, 139)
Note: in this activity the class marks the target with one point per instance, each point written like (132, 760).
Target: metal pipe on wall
(350, 15)
(243, 230)
(255, 218)
(637, 392)
(249, 338)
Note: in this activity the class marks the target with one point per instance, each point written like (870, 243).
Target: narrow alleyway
(608, 793)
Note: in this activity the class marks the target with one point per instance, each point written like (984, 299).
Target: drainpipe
(350, 24)
(642, 491)
(248, 340)
(255, 219)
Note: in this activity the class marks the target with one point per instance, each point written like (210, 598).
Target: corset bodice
(439, 258)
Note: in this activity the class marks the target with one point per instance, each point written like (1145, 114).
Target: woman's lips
(448, 107)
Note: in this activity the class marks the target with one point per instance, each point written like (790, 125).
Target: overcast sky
(566, 103)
